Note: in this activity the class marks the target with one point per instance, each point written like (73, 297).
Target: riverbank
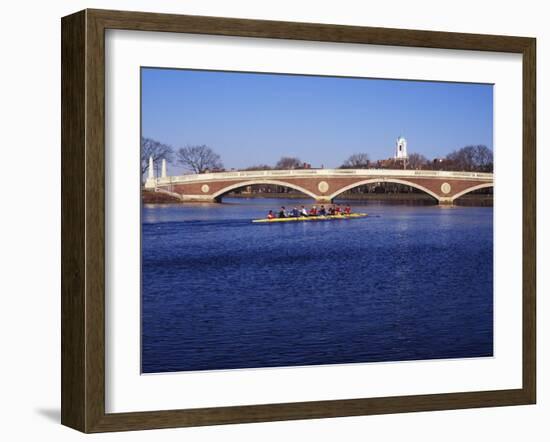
(151, 197)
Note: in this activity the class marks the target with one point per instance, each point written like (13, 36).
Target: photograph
(303, 220)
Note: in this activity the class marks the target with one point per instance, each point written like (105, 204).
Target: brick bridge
(323, 185)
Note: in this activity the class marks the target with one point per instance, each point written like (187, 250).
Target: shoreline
(150, 197)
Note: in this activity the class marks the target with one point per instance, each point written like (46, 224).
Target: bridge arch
(473, 188)
(231, 187)
(384, 180)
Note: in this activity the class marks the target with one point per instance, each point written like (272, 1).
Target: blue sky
(253, 119)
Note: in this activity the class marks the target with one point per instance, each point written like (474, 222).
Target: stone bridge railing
(326, 173)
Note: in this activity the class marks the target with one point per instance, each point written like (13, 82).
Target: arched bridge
(323, 185)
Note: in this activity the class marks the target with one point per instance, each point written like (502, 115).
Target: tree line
(475, 158)
(202, 158)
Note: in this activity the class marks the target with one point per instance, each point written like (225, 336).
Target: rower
(347, 210)
(270, 215)
(303, 211)
(282, 212)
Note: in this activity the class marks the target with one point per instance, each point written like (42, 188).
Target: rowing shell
(310, 218)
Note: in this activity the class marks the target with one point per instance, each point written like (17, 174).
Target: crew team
(313, 211)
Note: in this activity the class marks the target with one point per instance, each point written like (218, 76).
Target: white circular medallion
(445, 188)
(205, 188)
(323, 186)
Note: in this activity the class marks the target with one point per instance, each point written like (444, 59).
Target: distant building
(214, 170)
(385, 164)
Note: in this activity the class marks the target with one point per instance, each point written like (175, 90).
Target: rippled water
(218, 292)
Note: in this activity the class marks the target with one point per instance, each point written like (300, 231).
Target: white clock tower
(401, 149)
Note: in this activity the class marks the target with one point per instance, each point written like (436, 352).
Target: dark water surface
(408, 283)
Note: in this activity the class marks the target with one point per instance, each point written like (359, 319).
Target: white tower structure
(163, 169)
(151, 171)
(401, 149)
(151, 183)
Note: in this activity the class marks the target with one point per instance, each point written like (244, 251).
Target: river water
(408, 282)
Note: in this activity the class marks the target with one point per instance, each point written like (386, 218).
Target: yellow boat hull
(310, 218)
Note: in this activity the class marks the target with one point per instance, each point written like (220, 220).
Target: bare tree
(199, 159)
(484, 158)
(417, 161)
(471, 158)
(357, 161)
(462, 159)
(288, 163)
(155, 149)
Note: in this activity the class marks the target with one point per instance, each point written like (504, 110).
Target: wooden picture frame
(83, 220)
